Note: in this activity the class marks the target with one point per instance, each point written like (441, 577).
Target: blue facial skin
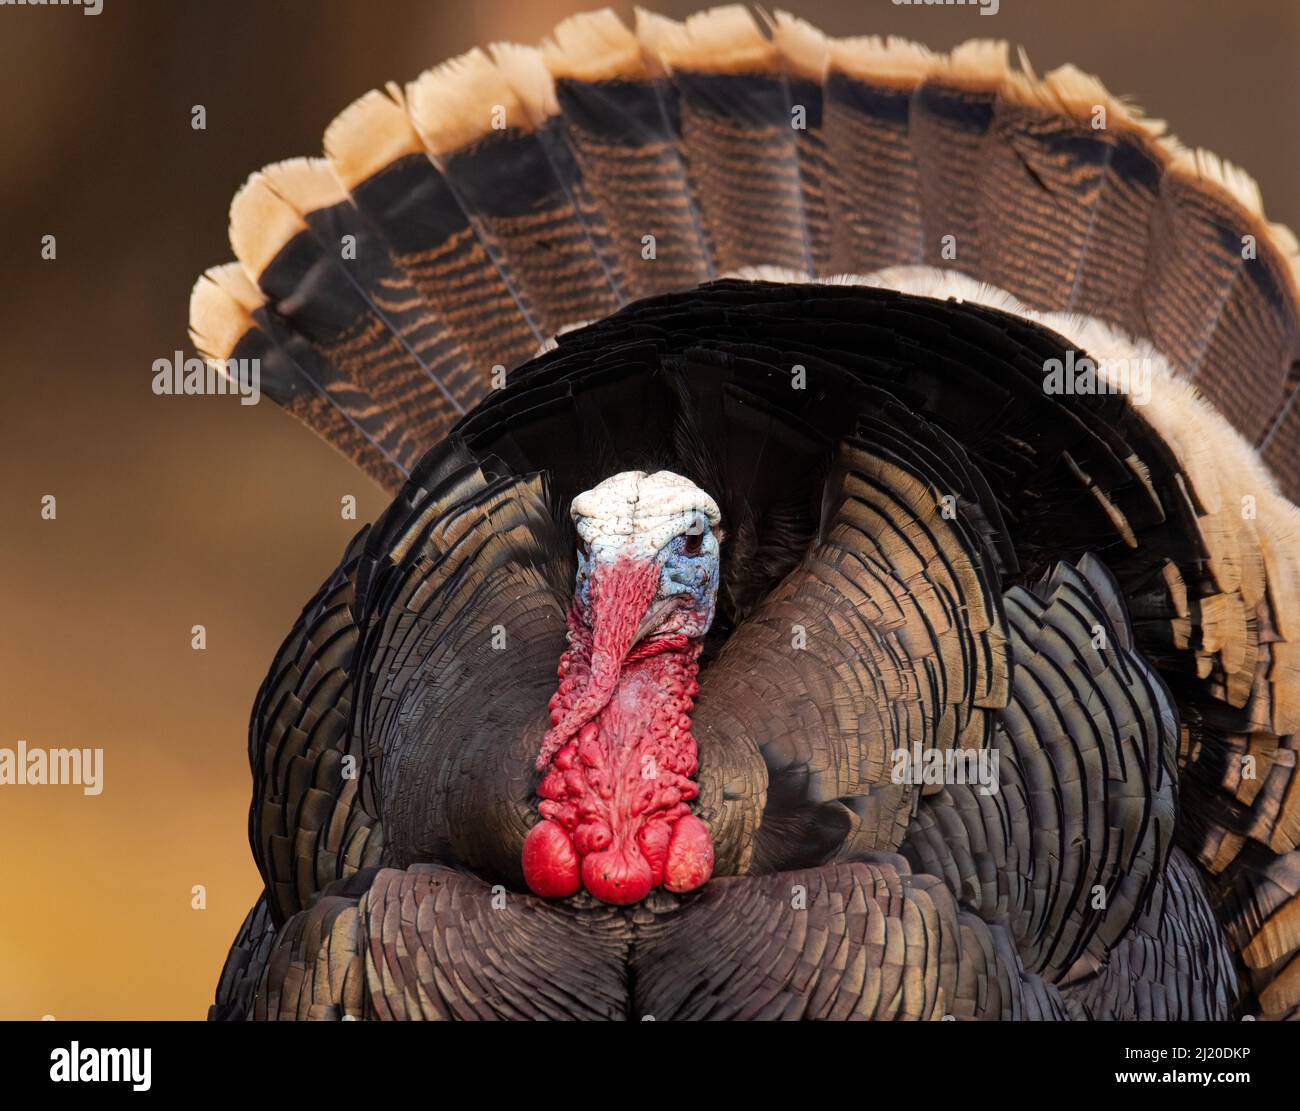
(693, 578)
(689, 568)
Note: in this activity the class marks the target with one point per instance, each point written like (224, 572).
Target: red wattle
(690, 855)
(619, 760)
(550, 861)
(618, 876)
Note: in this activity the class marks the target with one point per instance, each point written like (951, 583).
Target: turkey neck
(640, 737)
(619, 760)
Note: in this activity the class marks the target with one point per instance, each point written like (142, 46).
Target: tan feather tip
(1206, 166)
(1285, 239)
(525, 72)
(1026, 67)
(978, 64)
(893, 62)
(308, 184)
(234, 282)
(1208, 170)
(370, 134)
(720, 40)
(220, 309)
(462, 101)
(802, 47)
(594, 46)
(261, 223)
(1070, 90)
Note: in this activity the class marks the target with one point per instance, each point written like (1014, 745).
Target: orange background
(181, 511)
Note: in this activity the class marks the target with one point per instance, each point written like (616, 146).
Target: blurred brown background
(180, 511)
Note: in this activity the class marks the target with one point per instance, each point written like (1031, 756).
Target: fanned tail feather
(509, 194)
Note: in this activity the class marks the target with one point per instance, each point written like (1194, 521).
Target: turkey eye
(691, 545)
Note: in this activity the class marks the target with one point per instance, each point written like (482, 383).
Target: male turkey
(907, 412)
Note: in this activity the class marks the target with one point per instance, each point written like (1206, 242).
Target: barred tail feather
(509, 194)
(229, 321)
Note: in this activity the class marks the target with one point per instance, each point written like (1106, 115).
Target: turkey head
(619, 759)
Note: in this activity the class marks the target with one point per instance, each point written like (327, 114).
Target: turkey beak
(655, 616)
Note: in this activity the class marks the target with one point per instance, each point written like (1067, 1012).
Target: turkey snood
(619, 760)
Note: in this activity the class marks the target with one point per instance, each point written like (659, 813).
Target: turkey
(842, 563)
